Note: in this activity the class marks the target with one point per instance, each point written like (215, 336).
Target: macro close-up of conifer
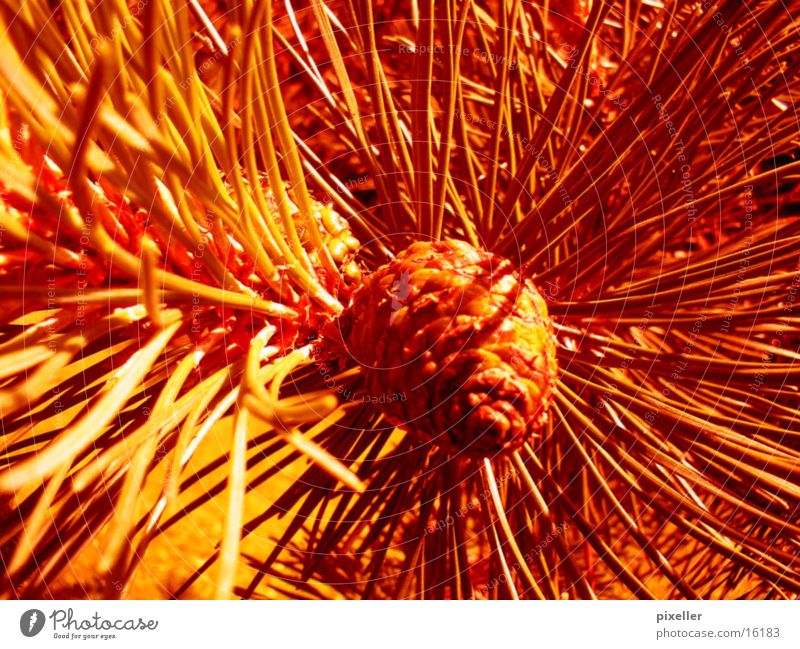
(465, 299)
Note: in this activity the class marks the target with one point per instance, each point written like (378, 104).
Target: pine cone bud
(456, 348)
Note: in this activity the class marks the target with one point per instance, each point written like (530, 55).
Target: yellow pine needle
(164, 409)
(284, 418)
(149, 288)
(229, 547)
(181, 214)
(201, 400)
(75, 439)
(293, 258)
(196, 405)
(58, 254)
(36, 523)
(160, 426)
(101, 239)
(203, 16)
(55, 364)
(509, 578)
(500, 511)
(16, 362)
(289, 147)
(234, 512)
(34, 383)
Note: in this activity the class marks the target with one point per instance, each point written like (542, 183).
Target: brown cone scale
(456, 348)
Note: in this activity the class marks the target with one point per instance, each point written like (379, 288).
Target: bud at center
(456, 348)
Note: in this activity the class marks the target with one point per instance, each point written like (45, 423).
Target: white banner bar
(401, 625)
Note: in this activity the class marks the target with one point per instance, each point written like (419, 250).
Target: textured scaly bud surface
(456, 347)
